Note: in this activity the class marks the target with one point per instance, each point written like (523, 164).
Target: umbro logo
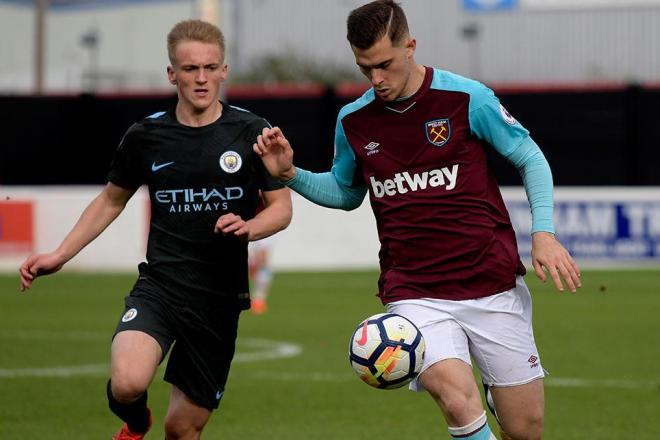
(533, 361)
(372, 148)
(155, 167)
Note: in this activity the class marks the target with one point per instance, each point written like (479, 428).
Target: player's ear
(411, 45)
(171, 75)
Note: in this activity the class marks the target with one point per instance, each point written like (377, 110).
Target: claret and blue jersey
(443, 226)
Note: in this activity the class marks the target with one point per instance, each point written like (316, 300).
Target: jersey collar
(402, 106)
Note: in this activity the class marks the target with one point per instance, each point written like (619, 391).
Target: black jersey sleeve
(265, 181)
(124, 169)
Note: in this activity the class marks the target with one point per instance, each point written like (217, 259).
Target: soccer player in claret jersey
(203, 179)
(416, 142)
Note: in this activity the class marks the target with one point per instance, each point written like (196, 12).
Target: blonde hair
(194, 30)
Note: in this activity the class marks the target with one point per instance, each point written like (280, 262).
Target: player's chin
(201, 103)
(387, 96)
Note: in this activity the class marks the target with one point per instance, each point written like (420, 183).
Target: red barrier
(16, 227)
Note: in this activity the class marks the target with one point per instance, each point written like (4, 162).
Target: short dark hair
(371, 22)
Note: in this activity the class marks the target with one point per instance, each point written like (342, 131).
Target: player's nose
(376, 77)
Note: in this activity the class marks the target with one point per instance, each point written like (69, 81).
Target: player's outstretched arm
(324, 189)
(549, 255)
(94, 219)
(276, 153)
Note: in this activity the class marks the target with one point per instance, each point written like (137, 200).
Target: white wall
(56, 210)
(318, 238)
(325, 239)
(611, 226)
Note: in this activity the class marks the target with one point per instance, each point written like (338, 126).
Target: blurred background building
(118, 45)
(582, 75)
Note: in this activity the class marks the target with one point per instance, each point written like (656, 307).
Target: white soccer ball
(386, 351)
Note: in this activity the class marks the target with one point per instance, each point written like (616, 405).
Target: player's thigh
(520, 408)
(447, 371)
(184, 419)
(135, 357)
(141, 340)
(502, 343)
(443, 335)
(259, 250)
(200, 360)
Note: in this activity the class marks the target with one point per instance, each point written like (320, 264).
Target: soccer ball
(386, 351)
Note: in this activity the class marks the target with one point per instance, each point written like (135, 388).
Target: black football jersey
(194, 176)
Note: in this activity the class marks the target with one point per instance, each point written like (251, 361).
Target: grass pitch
(292, 380)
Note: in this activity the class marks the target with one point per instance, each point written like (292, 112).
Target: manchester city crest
(230, 162)
(129, 315)
(438, 131)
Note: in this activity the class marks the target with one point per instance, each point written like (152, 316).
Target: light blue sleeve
(324, 189)
(537, 179)
(491, 122)
(338, 188)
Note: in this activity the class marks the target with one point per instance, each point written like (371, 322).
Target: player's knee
(126, 389)
(460, 406)
(457, 408)
(180, 428)
(527, 427)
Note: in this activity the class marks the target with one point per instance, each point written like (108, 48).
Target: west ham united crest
(230, 162)
(438, 131)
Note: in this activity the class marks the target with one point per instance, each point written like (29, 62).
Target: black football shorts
(202, 338)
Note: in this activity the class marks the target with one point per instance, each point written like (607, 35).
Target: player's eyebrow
(201, 64)
(380, 65)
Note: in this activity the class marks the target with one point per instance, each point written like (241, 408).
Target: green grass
(602, 347)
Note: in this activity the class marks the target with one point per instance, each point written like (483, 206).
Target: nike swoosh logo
(363, 339)
(155, 167)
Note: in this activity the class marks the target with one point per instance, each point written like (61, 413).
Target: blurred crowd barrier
(602, 227)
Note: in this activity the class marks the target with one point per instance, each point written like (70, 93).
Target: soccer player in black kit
(203, 180)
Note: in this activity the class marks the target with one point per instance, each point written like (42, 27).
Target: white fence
(613, 226)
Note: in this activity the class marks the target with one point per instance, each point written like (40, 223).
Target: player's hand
(549, 255)
(37, 265)
(276, 153)
(232, 224)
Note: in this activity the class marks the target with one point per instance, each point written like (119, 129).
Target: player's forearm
(272, 219)
(324, 189)
(102, 211)
(537, 179)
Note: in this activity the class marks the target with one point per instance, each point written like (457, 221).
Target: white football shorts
(265, 243)
(495, 331)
